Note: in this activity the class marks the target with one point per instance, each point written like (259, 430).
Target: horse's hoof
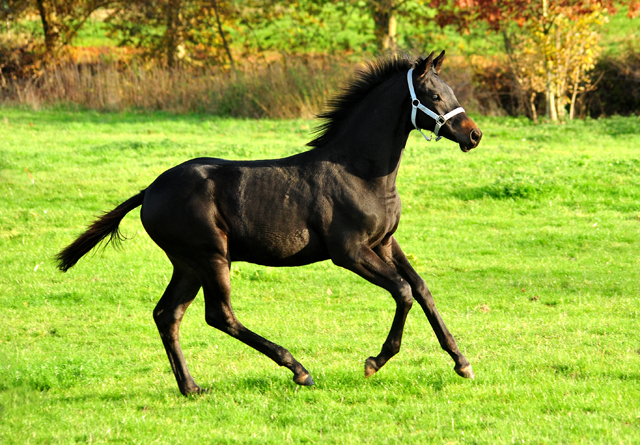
(370, 367)
(465, 371)
(303, 379)
(192, 390)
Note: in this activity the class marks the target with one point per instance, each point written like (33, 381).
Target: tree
(385, 22)
(385, 15)
(12, 10)
(550, 43)
(303, 26)
(569, 49)
(293, 25)
(61, 19)
(174, 31)
(555, 59)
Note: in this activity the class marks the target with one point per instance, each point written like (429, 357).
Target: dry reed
(286, 88)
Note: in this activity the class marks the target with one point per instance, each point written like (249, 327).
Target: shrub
(618, 90)
(288, 87)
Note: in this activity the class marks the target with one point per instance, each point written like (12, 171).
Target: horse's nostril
(475, 136)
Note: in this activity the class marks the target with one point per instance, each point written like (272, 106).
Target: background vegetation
(529, 244)
(281, 58)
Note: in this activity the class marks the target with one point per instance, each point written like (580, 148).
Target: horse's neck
(373, 138)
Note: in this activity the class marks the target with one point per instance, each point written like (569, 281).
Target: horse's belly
(272, 246)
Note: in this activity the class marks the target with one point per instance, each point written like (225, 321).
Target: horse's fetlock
(286, 359)
(391, 347)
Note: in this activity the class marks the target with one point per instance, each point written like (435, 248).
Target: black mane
(365, 80)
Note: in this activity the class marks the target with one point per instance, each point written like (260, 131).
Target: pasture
(529, 243)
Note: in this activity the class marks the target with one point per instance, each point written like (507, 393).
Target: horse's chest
(372, 216)
(385, 215)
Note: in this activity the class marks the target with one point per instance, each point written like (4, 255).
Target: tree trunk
(552, 111)
(49, 26)
(572, 106)
(172, 38)
(532, 106)
(391, 42)
(222, 35)
(385, 24)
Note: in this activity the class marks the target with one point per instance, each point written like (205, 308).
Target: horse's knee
(405, 296)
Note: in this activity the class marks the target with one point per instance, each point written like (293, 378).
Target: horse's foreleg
(423, 296)
(182, 289)
(219, 314)
(374, 267)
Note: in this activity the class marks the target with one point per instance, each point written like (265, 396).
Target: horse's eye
(435, 97)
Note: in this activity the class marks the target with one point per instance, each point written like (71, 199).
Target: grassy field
(530, 244)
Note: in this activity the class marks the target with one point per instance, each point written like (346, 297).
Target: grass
(530, 244)
(618, 32)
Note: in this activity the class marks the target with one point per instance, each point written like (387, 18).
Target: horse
(336, 201)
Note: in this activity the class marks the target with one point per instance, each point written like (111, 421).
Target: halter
(440, 119)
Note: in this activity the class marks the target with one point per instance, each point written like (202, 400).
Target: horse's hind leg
(182, 289)
(219, 314)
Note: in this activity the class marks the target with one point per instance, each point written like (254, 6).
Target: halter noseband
(416, 105)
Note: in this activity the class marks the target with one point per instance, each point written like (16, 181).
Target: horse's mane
(365, 80)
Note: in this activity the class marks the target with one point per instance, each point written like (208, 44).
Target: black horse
(337, 201)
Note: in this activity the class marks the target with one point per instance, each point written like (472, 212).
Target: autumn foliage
(549, 62)
(551, 46)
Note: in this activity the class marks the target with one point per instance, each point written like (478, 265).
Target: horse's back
(261, 211)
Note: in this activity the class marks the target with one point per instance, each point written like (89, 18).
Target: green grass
(618, 34)
(94, 33)
(530, 244)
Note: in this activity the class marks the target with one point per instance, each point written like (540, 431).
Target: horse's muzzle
(475, 135)
(468, 134)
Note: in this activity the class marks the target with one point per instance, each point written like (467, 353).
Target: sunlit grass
(529, 244)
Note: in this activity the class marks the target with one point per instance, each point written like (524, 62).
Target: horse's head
(438, 98)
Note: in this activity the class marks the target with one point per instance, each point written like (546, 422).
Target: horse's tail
(99, 230)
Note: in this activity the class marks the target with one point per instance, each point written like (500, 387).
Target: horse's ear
(437, 62)
(423, 66)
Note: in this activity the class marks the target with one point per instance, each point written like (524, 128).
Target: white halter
(415, 103)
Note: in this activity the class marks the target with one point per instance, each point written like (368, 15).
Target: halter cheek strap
(416, 105)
